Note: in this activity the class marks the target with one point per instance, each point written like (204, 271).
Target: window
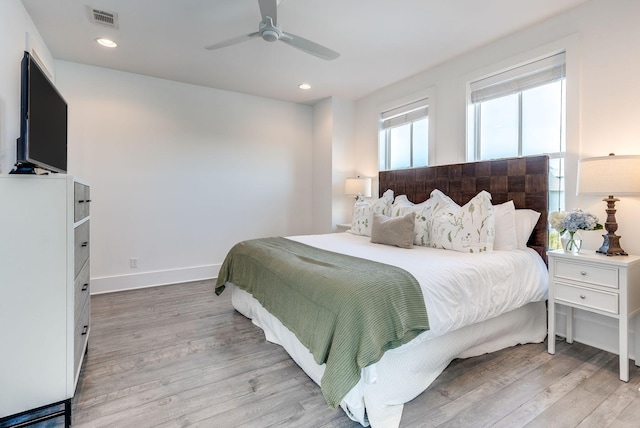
(404, 136)
(522, 112)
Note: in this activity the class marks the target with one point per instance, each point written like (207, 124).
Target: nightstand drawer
(589, 298)
(598, 275)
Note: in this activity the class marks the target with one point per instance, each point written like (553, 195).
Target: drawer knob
(583, 273)
(85, 287)
(84, 244)
(85, 329)
(582, 296)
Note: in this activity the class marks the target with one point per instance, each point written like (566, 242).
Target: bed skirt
(405, 372)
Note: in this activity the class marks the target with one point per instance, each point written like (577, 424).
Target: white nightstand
(343, 227)
(597, 283)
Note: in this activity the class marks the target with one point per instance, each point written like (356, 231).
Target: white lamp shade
(358, 186)
(609, 175)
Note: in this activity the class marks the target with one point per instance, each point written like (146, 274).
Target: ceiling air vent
(103, 17)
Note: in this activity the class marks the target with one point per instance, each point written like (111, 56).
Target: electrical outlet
(133, 263)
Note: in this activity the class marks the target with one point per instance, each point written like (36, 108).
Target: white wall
(601, 38)
(322, 141)
(333, 162)
(180, 173)
(17, 34)
(342, 160)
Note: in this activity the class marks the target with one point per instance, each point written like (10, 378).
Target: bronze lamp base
(611, 244)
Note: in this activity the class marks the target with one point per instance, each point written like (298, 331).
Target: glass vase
(571, 242)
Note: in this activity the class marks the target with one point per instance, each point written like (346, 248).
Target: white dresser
(593, 282)
(44, 290)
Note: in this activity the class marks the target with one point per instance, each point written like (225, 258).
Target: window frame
(519, 73)
(387, 143)
(570, 111)
(427, 94)
(477, 128)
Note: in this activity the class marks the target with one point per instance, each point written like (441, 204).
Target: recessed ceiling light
(107, 43)
(304, 86)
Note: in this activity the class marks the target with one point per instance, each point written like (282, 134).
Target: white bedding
(472, 301)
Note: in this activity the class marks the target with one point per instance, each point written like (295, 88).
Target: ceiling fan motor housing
(269, 31)
(270, 35)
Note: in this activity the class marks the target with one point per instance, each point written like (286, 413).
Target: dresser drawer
(587, 297)
(81, 199)
(81, 334)
(598, 275)
(81, 290)
(81, 250)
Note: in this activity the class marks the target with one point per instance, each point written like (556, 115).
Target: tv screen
(43, 125)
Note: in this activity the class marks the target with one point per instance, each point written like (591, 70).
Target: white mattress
(476, 303)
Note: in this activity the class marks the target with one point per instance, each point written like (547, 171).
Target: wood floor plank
(460, 377)
(462, 410)
(629, 416)
(223, 378)
(179, 356)
(539, 402)
(580, 402)
(611, 413)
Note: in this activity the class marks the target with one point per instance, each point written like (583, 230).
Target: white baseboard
(110, 284)
(594, 330)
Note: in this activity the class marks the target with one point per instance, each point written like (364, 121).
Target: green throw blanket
(347, 311)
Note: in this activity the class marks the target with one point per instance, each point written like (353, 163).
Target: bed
(476, 303)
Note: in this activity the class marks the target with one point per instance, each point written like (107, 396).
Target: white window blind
(405, 114)
(531, 75)
(404, 136)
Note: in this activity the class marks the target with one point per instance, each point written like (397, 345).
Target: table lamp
(610, 175)
(358, 186)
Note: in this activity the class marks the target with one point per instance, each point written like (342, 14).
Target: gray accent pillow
(396, 231)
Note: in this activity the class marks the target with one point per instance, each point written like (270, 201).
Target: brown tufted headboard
(524, 180)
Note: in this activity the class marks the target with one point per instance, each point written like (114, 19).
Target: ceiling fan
(270, 31)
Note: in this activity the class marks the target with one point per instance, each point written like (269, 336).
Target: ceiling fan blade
(233, 41)
(309, 47)
(269, 8)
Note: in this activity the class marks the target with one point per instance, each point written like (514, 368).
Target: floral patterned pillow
(401, 206)
(424, 212)
(364, 209)
(425, 215)
(468, 229)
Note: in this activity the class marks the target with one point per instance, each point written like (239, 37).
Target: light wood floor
(178, 355)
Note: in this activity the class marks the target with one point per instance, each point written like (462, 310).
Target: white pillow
(468, 229)
(525, 223)
(364, 209)
(505, 217)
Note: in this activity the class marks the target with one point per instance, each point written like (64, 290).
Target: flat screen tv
(43, 122)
